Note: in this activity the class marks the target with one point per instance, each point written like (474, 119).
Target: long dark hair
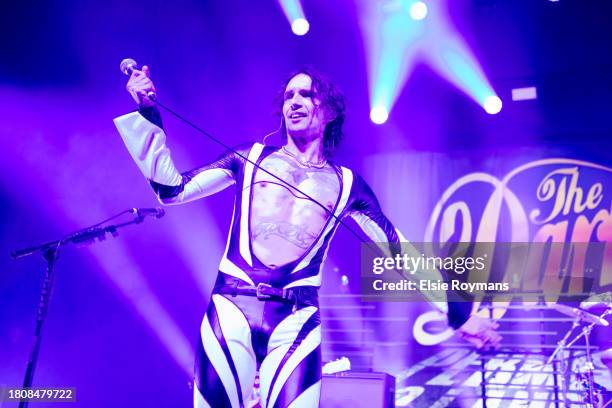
(331, 99)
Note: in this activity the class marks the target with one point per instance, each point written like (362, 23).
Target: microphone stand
(50, 251)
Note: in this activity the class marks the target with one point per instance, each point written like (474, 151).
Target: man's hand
(139, 85)
(480, 332)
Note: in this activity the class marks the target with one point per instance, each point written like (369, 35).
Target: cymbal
(601, 299)
(582, 315)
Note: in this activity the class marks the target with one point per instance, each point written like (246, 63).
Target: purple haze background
(125, 312)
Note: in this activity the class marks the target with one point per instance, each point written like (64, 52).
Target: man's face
(304, 116)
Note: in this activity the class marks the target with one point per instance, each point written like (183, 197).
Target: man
(289, 201)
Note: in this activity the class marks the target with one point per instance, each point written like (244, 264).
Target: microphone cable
(224, 145)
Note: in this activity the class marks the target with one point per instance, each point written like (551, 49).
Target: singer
(263, 314)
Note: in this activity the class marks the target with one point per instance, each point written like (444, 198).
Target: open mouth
(297, 115)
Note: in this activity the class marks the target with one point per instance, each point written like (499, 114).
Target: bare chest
(283, 217)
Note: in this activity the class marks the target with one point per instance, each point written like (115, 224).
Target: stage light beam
(395, 41)
(295, 15)
(379, 115)
(390, 36)
(492, 104)
(300, 26)
(418, 10)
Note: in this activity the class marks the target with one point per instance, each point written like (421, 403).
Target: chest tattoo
(296, 234)
(286, 213)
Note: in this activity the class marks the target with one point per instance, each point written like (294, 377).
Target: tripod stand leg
(50, 256)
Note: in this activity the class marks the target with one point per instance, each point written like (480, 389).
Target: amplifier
(357, 390)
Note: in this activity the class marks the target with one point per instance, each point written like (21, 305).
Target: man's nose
(296, 102)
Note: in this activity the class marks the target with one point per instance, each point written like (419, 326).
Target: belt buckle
(258, 291)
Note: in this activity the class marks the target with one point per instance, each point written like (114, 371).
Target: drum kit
(591, 313)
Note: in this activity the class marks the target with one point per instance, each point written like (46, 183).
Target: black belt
(262, 291)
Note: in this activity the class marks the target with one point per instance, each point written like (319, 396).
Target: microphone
(127, 66)
(144, 212)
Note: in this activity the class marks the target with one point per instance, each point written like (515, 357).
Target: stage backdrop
(547, 194)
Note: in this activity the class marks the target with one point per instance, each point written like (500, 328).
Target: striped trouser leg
(225, 361)
(290, 375)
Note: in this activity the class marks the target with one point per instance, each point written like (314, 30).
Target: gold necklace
(318, 165)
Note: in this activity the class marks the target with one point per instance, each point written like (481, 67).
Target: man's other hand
(480, 332)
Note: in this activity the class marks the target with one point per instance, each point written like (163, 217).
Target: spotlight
(295, 16)
(300, 26)
(418, 10)
(344, 280)
(379, 115)
(492, 104)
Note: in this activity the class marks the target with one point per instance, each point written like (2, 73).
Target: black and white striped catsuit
(240, 334)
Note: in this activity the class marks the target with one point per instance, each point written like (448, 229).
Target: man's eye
(288, 96)
(306, 94)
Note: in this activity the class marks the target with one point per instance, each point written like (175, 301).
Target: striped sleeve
(366, 212)
(146, 142)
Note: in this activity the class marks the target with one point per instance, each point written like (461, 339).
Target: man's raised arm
(143, 134)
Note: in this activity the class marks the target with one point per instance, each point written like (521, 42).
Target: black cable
(219, 142)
